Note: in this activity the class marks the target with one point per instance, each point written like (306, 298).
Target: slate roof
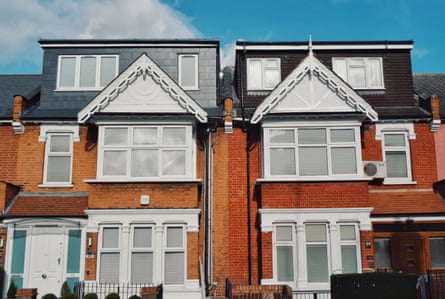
(27, 86)
(426, 85)
(395, 203)
(41, 205)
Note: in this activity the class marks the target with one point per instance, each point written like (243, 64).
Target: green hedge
(373, 285)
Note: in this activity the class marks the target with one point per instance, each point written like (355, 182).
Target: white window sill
(313, 179)
(398, 181)
(167, 180)
(54, 185)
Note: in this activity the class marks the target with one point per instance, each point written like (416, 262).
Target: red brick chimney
(17, 125)
(435, 109)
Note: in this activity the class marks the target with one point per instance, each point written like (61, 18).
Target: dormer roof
(143, 88)
(312, 87)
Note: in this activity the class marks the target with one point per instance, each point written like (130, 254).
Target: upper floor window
(396, 151)
(57, 169)
(188, 71)
(141, 152)
(86, 72)
(263, 73)
(360, 72)
(306, 152)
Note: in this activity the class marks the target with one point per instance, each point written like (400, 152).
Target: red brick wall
(91, 258)
(367, 236)
(8, 153)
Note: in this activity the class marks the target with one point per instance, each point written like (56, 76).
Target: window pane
(87, 72)
(317, 263)
(394, 139)
(382, 249)
(173, 136)
(312, 136)
(18, 252)
(145, 136)
(58, 169)
(174, 237)
(344, 160)
(115, 163)
(313, 161)
(349, 258)
(342, 135)
(254, 75)
(74, 245)
(374, 73)
(437, 247)
(347, 232)
(142, 237)
(67, 71)
(316, 233)
(141, 267)
(144, 163)
(188, 71)
(339, 67)
(174, 268)
(173, 162)
(107, 70)
(357, 77)
(110, 238)
(284, 233)
(396, 164)
(115, 136)
(282, 161)
(282, 136)
(285, 263)
(109, 267)
(60, 144)
(271, 78)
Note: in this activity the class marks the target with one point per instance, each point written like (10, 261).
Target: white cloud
(228, 55)
(24, 22)
(420, 52)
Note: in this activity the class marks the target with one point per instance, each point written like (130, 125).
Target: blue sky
(24, 22)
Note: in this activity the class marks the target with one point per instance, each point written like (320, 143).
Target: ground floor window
(437, 247)
(382, 253)
(309, 245)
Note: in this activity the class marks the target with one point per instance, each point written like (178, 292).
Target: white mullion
(77, 72)
(98, 71)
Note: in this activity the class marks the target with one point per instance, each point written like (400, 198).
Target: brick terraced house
(140, 162)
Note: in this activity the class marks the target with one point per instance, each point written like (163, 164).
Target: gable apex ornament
(314, 70)
(145, 68)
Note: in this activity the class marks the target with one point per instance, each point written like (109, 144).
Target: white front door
(46, 264)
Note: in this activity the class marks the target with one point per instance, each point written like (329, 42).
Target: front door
(407, 255)
(46, 264)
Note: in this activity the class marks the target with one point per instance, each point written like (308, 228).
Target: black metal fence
(315, 294)
(124, 290)
(436, 284)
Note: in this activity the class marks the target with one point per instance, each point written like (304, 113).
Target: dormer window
(360, 72)
(188, 71)
(263, 73)
(86, 72)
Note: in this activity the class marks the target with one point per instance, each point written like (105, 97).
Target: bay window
(303, 152)
(174, 258)
(110, 255)
(284, 252)
(317, 253)
(146, 152)
(348, 248)
(142, 255)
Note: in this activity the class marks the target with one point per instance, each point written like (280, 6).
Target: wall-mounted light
(1, 242)
(90, 241)
(367, 244)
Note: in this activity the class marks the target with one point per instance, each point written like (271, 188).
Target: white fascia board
(123, 44)
(326, 47)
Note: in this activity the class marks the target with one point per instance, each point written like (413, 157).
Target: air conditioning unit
(374, 169)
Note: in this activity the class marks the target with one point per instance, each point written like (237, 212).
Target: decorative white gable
(143, 88)
(312, 87)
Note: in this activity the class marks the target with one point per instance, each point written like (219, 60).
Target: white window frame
(299, 218)
(343, 67)
(355, 242)
(326, 243)
(133, 249)
(262, 85)
(195, 85)
(407, 130)
(267, 175)
(106, 250)
(278, 243)
(188, 147)
(77, 73)
(179, 249)
(46, 133)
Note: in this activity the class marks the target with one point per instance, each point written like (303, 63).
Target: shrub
(11, 290)
(113, 296)
(65, 290)
(49, 296)
(90, 296)
(134, 297)
(70, 296)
